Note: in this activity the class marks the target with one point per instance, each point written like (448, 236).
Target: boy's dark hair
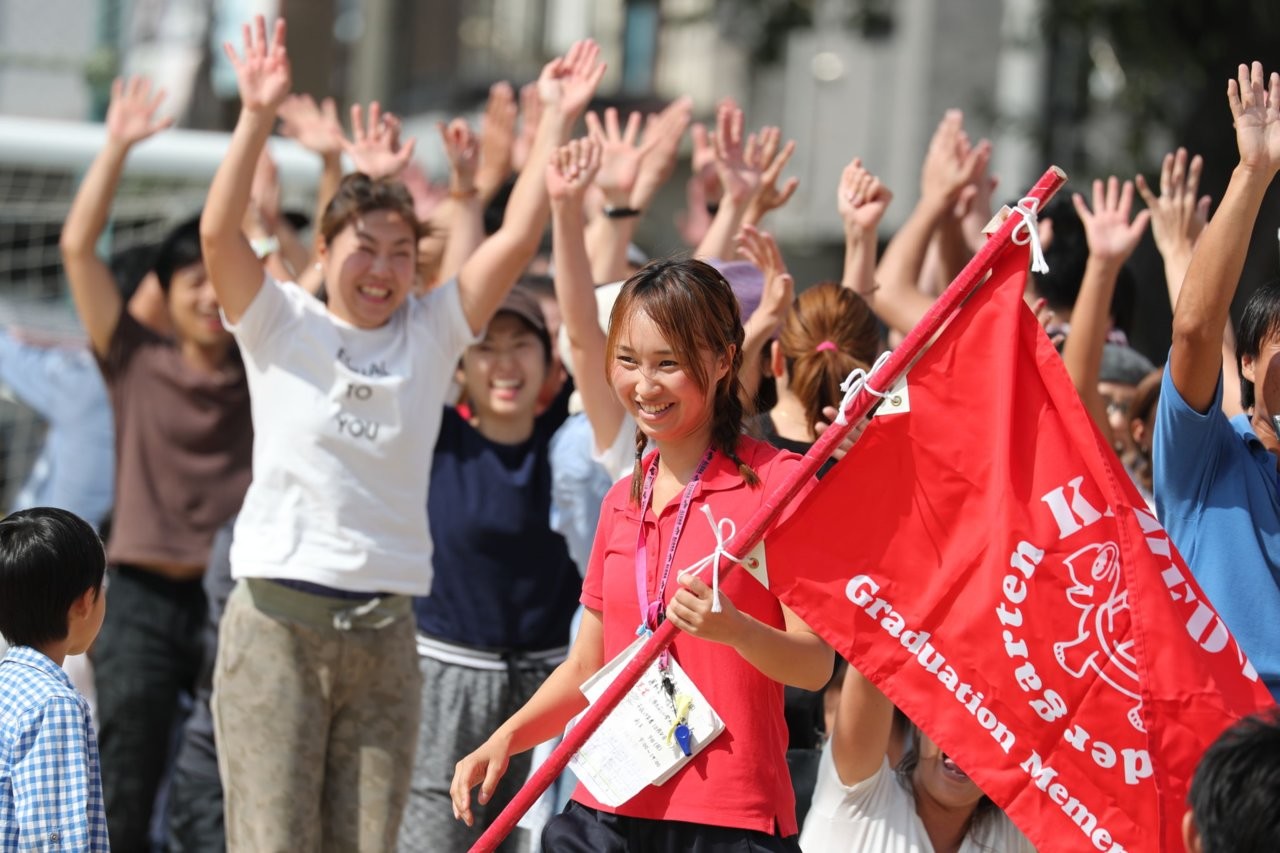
(48, 558)
(180, 248)
(1067, 256)
(1259, 321)
(130, 266)
(1235, 788)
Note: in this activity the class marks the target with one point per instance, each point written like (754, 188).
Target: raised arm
(1178, 218)
(130, 119)
(564, 87)
(609, 232)
(1112, 238)
(463, 211)
(863, 725)
(263, 77)
(949, 166)
(861, 200)
(1213, 275)
(768, 195)
(737, 164)
(569, 172)
(497, 141)
(316, 128)
(776, 296)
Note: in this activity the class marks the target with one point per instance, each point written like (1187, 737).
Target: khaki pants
(315, 705)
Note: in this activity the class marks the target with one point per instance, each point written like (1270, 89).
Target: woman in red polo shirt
(674, 350)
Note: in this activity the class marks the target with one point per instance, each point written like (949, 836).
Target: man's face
(193, 307)
(1263, 370)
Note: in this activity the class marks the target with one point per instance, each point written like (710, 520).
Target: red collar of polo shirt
(721, 475)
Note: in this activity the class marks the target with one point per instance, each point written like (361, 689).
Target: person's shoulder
(765, 458)
(29, 696)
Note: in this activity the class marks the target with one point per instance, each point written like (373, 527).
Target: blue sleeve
(31, 371)
(1187, 450)
(578, 485)
(51, 778)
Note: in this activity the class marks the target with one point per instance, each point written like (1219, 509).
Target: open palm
(262, 74)
(131, 116)
(1257, 116)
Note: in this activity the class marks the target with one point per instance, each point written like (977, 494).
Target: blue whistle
(685, 739)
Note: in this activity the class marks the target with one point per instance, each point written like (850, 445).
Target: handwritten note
(630, 750)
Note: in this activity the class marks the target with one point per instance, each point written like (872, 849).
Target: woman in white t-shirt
(927, 804)
(316, 687)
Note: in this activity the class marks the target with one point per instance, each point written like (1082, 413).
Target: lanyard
(650, 609)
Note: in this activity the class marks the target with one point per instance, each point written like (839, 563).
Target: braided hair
(696, 311)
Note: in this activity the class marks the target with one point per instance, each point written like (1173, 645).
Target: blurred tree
(1131, 79)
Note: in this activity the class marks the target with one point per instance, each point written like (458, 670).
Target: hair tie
(826, 345)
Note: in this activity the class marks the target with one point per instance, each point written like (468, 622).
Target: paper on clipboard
(630, 750)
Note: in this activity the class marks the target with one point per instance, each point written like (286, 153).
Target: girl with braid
(673, 354)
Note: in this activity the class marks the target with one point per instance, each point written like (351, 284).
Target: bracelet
(464, 194)
(620, 212)
(713, 207)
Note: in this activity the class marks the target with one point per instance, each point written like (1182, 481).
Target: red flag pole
(973, 274)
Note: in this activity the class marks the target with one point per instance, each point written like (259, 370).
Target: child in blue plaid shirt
(51, 604)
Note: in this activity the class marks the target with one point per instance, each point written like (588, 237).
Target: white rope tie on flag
(1028, 231)
(856, 381)
(723, 530)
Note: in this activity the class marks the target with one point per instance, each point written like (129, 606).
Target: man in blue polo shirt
(1216, 484)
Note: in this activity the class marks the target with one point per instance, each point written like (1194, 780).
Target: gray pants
(316, 725)
(461, 707)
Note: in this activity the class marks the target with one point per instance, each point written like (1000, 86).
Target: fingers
(1144, 190)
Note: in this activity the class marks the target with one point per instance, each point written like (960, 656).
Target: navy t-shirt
(504, 580)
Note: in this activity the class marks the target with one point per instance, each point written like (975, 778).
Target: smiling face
(369, 267)
(660, 387)
(504, 372)
(193, 307)
(938, 778)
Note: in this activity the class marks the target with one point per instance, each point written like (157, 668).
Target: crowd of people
(377, 503)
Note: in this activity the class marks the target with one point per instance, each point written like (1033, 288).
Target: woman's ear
(775, 363)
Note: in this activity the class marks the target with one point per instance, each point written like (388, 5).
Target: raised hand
(1111, 235)
(530, 115)
(497, 138)
(952, 162)
(778, 290)
(861, 198)
(263, 74)
(567, 83)
(1177, 216)
(737, 165)
(572, 168)
(1256, 111)
(769, 196)
(660, 147)
(314, 127)
(462, 150)
(427, 197)
(620, 156)
(375, 148)
(131, 115)
(703, 160)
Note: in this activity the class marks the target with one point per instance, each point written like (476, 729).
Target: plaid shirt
(50, 786)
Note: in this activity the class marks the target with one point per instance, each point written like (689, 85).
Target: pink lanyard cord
(651, 609)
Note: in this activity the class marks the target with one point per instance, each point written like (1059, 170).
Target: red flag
(984, 559)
